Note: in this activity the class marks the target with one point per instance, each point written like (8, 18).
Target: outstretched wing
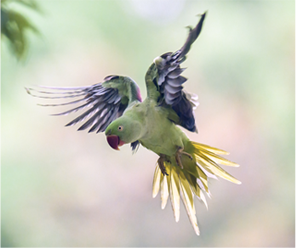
(102, 103)
(164, 81)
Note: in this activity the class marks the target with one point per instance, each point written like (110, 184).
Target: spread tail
(192, 179)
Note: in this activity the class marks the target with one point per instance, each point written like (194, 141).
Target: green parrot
(116, 108)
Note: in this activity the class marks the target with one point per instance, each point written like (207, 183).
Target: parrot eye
(120, 128)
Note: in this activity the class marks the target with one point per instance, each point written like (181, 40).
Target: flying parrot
(115, 107)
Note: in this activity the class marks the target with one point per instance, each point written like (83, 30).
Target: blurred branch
(14, 26)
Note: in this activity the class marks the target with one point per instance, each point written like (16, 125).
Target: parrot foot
(160, 162)
(178, 155)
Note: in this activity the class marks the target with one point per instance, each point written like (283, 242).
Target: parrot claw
(178, 155)
(160, 162)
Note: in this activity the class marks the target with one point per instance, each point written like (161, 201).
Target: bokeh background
(66, 188)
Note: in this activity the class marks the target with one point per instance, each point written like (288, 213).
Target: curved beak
(113, 141)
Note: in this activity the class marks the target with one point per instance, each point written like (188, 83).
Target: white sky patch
(161, 12)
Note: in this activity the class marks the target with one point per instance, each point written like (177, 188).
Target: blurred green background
(66, 188)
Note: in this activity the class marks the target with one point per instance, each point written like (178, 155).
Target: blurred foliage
(14, 26)
(62, 188)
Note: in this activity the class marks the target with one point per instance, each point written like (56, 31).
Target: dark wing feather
(104, 102)
(169, 80)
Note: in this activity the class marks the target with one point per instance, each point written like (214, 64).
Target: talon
(178, 155)
(178, 160)
(160, 162)
(188, 155)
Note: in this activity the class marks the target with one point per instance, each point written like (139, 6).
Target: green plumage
(115, 107)
(156, 132)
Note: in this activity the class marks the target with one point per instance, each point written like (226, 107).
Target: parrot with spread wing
(116, 108)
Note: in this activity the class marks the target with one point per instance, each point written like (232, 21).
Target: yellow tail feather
(191, 180)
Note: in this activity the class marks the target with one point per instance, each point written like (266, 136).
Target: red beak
(113, 141)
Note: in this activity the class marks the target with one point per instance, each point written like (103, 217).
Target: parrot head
(122, 131)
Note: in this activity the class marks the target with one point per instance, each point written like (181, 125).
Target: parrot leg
(160, 162)
(178, 155)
